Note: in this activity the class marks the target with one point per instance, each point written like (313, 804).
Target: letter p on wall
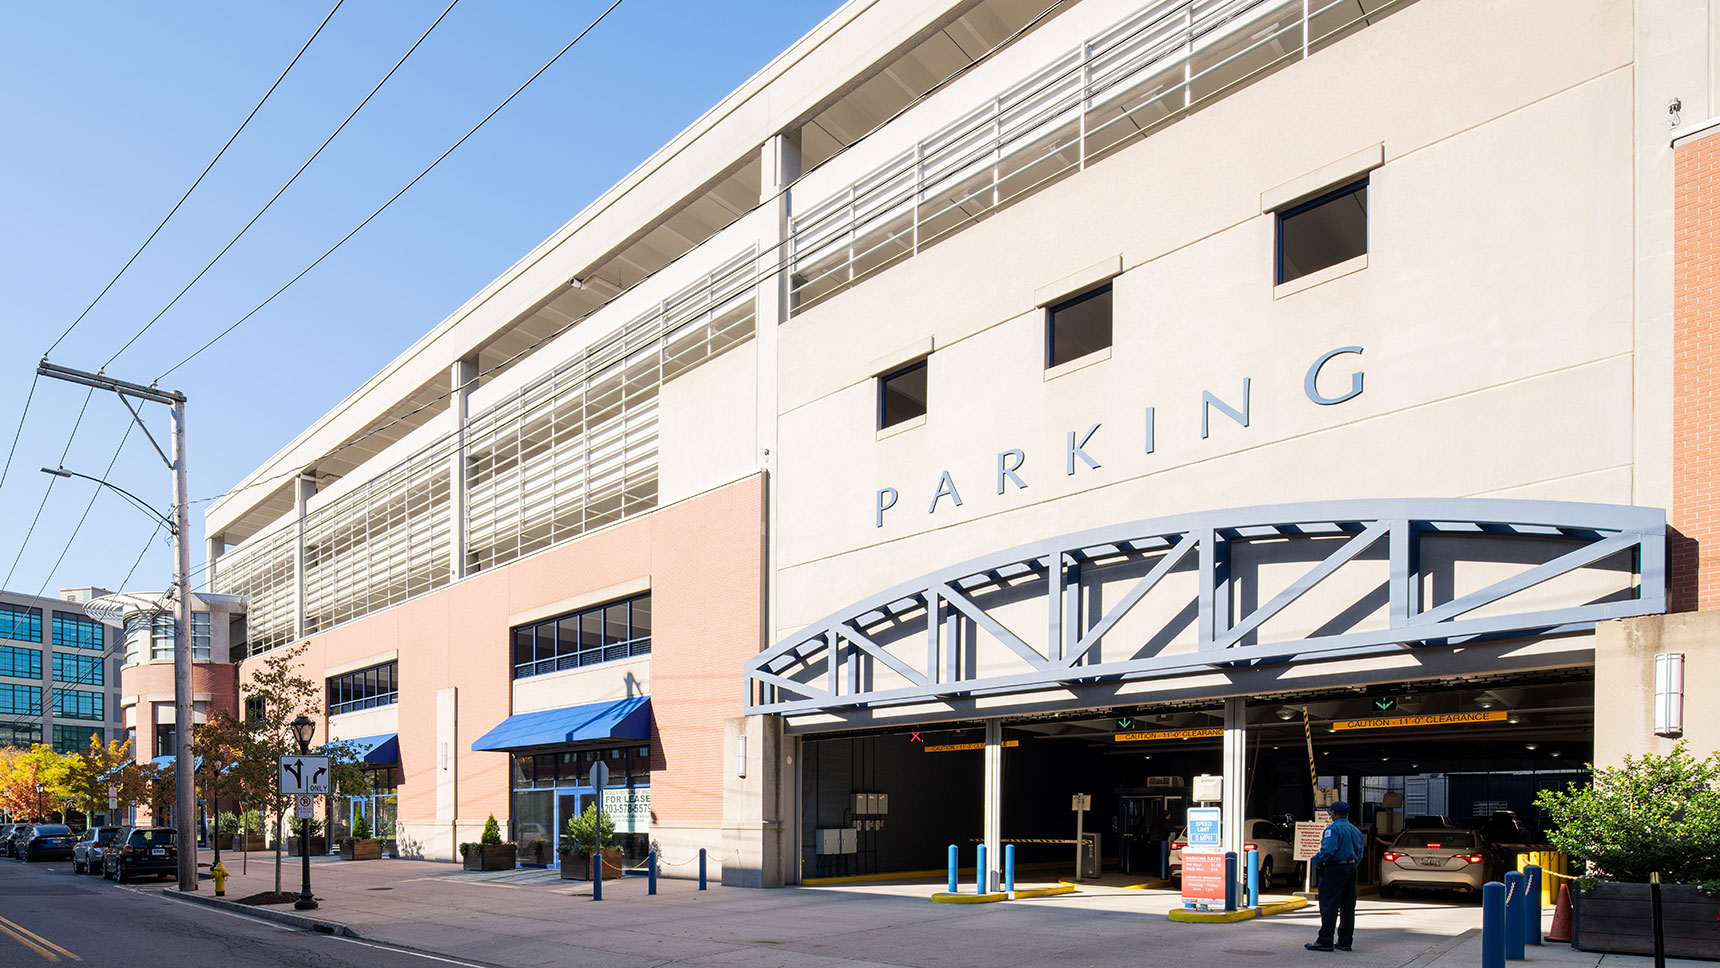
(886, 500)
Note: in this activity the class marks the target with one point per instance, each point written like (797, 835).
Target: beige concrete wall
(1495, 313)
(1624, 677)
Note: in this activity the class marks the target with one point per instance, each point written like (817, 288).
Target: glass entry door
(568, 804)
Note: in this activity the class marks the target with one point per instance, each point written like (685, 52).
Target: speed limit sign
(303, 805)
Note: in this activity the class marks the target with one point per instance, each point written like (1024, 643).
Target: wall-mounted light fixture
(1669, 694)
(741, 756)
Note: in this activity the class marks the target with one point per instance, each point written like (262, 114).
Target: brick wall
(1696, 376)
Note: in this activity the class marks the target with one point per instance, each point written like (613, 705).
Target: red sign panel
(1203, 876)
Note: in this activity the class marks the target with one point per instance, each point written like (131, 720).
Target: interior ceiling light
(1555, 754)
(1286, 713)
(1486, 700)
(1531, 746)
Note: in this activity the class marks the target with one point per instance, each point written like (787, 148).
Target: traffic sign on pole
(599, 777)
(304, 774)
(304, 807)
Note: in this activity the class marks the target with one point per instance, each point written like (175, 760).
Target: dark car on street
(87, 853)
(6, 835)
(13, 836)
(140, 850)
(46, 841)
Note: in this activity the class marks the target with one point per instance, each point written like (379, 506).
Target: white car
(1449, 859)
(1277, 855)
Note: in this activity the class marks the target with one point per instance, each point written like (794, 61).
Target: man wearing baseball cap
(1340, 851)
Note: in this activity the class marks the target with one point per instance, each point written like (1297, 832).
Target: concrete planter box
(576, 865)
(319, 845)
(361, 850)
(489, 857)
(1617, 918)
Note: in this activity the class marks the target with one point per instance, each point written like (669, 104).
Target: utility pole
(185, 793)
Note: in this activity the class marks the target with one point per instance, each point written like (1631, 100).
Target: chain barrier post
(597, 876)
(1532, 905)
(651, 873)
(701, 868)
(1493, 925)
(1514, 916)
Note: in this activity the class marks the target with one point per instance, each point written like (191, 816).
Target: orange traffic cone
(1562, 916)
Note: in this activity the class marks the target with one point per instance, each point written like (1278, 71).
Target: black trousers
(1337, 903)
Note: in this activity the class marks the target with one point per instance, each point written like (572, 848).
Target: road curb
(264, 914)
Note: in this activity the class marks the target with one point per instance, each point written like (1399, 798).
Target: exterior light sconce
(1669, 694)
(741, 756)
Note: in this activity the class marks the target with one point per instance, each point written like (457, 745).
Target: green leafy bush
(1653, 814)
(589, 830)
(361, 828)
(492, 833)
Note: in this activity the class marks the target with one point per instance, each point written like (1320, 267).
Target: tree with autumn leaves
(32, 781)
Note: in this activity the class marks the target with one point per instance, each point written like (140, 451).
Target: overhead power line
(199, 181)
(415, 180)
(276, 197)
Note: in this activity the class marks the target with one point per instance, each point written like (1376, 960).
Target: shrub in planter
(586, 834)
(360, 846)
(1654, 814)
(489, 853)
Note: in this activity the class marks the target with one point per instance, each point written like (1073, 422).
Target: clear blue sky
(111, 109)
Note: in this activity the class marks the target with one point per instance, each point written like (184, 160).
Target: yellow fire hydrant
(220, 874)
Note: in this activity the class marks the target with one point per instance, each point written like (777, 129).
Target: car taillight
(1432, 846)
(1178, 844)
(1250, 846)
(1471, 858)
(1390, 855)
(126, 852)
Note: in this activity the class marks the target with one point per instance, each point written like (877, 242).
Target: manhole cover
(1250, 952)
(45, 890)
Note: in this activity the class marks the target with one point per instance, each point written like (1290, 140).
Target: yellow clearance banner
(1169, 734)
(953, 747)
(1437, 719)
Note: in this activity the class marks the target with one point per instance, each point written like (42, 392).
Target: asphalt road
(50, 916)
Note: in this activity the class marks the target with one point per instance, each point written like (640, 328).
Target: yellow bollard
(220, 874)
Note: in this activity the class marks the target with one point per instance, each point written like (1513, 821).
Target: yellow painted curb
(892, 876)
(944, 897)
(1212, 917)
(1280, 905)
(1147, 886)
(1051, 891)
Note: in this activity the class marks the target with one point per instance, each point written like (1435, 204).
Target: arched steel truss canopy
(1223, 590)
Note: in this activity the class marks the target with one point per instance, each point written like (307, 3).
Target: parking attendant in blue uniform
(1340, 851)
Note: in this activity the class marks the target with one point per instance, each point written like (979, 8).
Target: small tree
(590, 830)
(492, 832)
(361, 828)
(1653, 814)
(93, 771)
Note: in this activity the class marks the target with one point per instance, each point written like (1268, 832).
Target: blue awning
(382, 748)
(619, 719)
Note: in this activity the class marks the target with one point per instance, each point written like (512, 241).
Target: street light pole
(302, 730)
(185, 792)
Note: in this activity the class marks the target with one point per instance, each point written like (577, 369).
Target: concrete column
(1235, 779)
(781, 166)
(994, 803)
(447, 775)
(463, 379)
(217, 546)
(754, 827)
(303, 488)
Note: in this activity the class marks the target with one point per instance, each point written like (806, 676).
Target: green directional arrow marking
(1125, 723)
(1385, 705)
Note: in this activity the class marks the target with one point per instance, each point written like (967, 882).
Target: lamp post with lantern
(303, 729)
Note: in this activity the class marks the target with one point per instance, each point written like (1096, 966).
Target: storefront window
(550, 788)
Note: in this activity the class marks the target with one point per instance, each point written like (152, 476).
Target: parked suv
(140, 850)
(87, 853)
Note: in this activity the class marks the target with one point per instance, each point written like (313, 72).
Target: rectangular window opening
(600, 633)
(902, 395)
(1317, 234)
(1079, 326)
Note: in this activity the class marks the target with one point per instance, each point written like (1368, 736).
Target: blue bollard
(597, 876)
(954, 855)
(1253, 877)
(1493, 925)
(651, 873)
(1164, 860)
(1230, 880)
(1514, 891)
(1009, 868)
(701, 868)
(1532, 907)
(979, 875)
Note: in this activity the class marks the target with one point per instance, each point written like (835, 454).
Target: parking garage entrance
(1471, 752)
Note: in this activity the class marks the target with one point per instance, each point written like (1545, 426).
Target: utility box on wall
(836, 840)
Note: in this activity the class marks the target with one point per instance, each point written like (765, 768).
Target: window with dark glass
(1078, 326)
(902, 395)
(16, 734)
(20, 623)
(77, 704)
(253, 708)
(20, 663)
(75, 739)
(601, 633)
(86, 669)
(363, 689)
(1324, 232)
(166, 740)
(78, 631)
(21, 700)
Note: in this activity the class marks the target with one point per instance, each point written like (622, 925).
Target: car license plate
(158, 852)
(1431, 861)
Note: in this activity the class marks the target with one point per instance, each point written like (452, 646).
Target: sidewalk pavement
(527, 918)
